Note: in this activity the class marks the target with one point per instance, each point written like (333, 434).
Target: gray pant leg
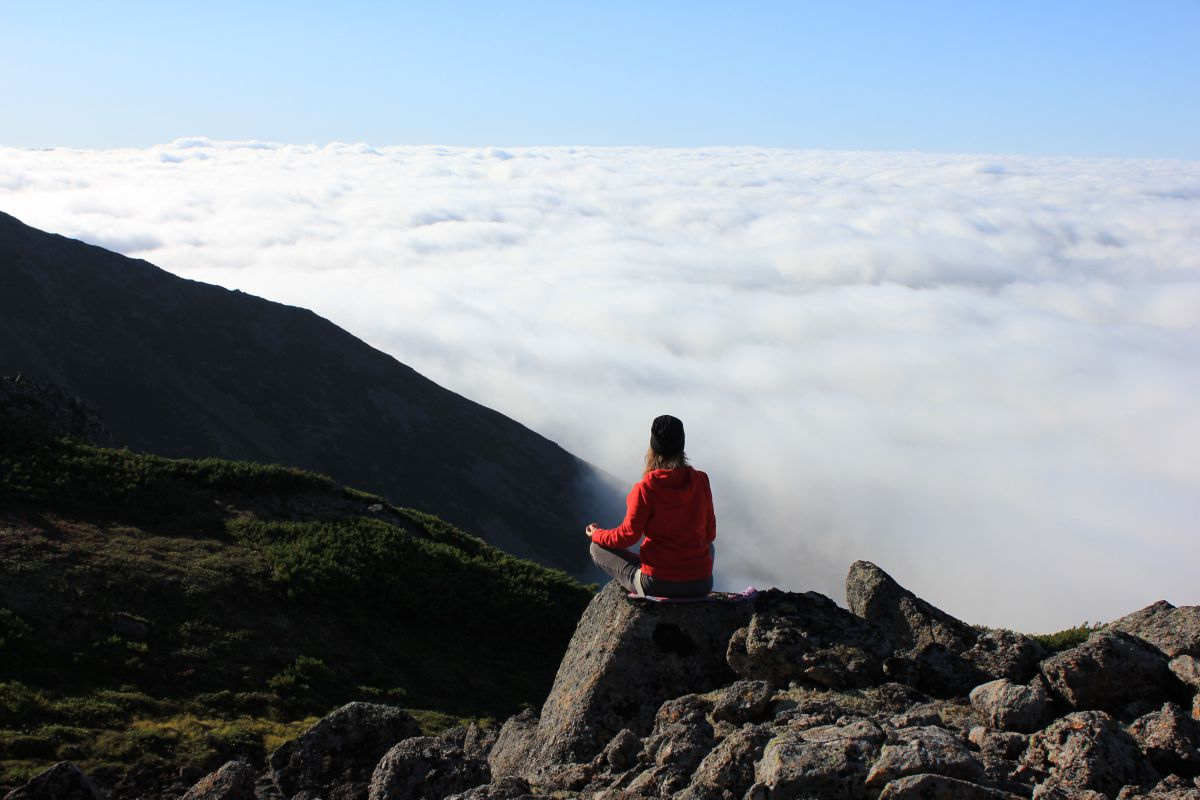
(620, 564)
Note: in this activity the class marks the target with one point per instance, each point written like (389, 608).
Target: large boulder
(63, 781)
(910, 622)
(1187, 670)
(1170, 739)
(940, 787)
(1011, 707)
(920, 750)
(426, 768)
(626, 659)
(682, 736)
(335, 758)
(1085, 750)
(729, 768)
(1001, 653)
(1109, 670)
(830, 762)
(507, 788)
(233, 781)
(742, 701)
(999, 752)
(514, 745)
(1175, 631)
(808, 637)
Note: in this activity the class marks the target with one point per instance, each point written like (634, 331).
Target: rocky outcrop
(1006, 654)
(425, 768)
(1010, 707)
(1173, 630)
(924, 750)
(233, 781)
(1170, 739)
(1086, 750)
(1109, 670)
(830, 761)
(335, 759)
(940, 787)
(910, 622)
(792, 698)
(626, 658)
(63, 781)
(807, 637)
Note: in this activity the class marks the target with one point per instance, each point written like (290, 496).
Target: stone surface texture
(233, 781)
(1012, 707)
(1086, 750)
(1108, 671)
(335, 758)
(910, 622)
(63, 781)
(626, 658)
(1173, 630)
(426, 768)
(924, 750)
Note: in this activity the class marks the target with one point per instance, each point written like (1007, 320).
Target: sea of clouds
(981, 373)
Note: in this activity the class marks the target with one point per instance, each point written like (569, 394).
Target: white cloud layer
(981, 373)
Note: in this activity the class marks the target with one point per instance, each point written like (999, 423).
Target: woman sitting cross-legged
(670, 511)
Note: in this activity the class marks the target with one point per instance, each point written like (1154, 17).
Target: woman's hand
(591, 528)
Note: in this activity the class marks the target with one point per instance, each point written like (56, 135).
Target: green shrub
(1071, 637)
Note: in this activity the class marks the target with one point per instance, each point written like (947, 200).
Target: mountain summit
(187, 369)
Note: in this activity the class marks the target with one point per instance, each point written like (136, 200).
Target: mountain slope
(139, 593)
(186, 369)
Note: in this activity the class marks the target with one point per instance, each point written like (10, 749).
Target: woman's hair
(655, 461)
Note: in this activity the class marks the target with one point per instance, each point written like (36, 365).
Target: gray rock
(426, 768)
(621, 752)
(512, 752)
(63, 781)
(927, 749)
(1174, 631)
(807, 637)
(335, 758)
(935, 670)
(1170, 739)
(923, 714)
(233, 781)
(1085, 750)
(1010, 707)
(656, 782)
(682, 737)
(729, 768)
(999, 751)
(1046, 792)
(940, 787)
(475, 741)
(1171, 787)
(830, 762)
(910, 622)
(626, 658)
(742, 701)
(1006, 654)
(1187, 670)
(507, 788)
(1109, 670)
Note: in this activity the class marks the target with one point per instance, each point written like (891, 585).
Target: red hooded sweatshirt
(673, 509)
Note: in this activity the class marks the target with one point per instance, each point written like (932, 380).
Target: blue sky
(1056, 78)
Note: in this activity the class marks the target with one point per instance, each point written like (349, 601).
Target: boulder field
(783, 696)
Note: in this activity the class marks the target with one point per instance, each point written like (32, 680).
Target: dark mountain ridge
(186, 369)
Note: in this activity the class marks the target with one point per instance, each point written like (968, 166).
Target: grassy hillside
(161, 611)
